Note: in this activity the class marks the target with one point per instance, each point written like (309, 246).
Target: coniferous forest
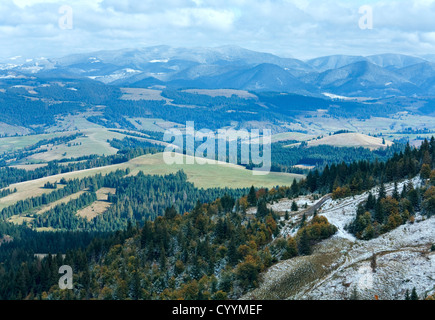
(211, 252)
(162, 238)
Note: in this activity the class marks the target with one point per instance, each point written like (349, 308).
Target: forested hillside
(211, 252)
(284, 158)
(214, 250)
(347, 179)
(11, 175)
(137, 199)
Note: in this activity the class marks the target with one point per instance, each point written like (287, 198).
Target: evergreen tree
(252, 197)
(382, 194)
(404, 191)
(414, 295)
(373, 263)
(146, 234)
(170, 213)
(227, 203)
(294, 206)
(294, 188)
(262, 210)
(371, 202)
(304, 246)
(396, 194)
(303, 220)
(379, 213)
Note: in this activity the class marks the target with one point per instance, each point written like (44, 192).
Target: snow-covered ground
(404, 261)
(284, 205)
(341, 265)
(342, 212)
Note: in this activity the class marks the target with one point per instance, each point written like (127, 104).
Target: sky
(300, 29)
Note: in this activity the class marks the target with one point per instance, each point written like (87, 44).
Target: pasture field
(153, 124)
(348, 140)
(351, 140)
(228, 93)
(203, 176)
(60, 201)
(136, 94)
(9, 144)
(285, 136)
(98, 207)
(94, 141)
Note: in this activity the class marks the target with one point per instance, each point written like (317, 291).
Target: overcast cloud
(292, 28)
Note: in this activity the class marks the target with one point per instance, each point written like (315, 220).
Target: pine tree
(404, 191)
(304, 246)
(371, 202)
(146, 234)
(295, 188)
(379, 213)
(232, 253)
(294, 206)
(382, 194)
(396, 194)
(414, 197)
(170, 213)
(373, 263)
(262, 210)
(414, 295)
(227, 203)
(303, 220)
(162, 257)
(252, 197)
(135, 285)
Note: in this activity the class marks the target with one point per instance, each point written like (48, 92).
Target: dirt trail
(310, 211)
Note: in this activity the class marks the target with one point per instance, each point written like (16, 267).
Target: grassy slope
(349, 140)
(9, 144)
(203, 176)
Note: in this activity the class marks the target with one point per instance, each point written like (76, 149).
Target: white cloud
(300, 28)
(202, 18)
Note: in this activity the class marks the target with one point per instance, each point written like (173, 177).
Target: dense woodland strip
(138, 199)
(285, 158)
(6, 192)
(363, 175)
(69, 187)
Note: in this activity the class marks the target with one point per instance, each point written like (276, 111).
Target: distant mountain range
(230, 67)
